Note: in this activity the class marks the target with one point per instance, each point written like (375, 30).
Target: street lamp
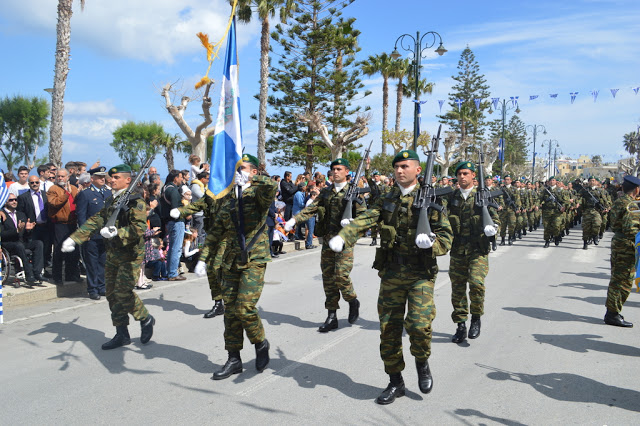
(503, 108)
(535, 128)
(418, 53)
(551, 143)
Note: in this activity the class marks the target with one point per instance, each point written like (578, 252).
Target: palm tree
(399, 70)
(631, 143)
(382, 64)
(63, 35)
(266, 10)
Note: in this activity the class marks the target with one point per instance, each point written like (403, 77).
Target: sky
(123, 52)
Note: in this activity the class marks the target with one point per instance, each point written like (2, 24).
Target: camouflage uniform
(531, 214)
(607, 205)
(407, 273)
(469, 255)
(242, 283)
(508, 214)
(591, 218)
(625, 227)
(377, 190)
(524, 206)
(125, 254)
(551, 215)
(336, 267)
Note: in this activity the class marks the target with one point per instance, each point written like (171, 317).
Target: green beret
(488, 176)
(466, 165)
(506, 176)
(376, 174)
(552, 177)
(121, 168)
(340, 162)
(405, 154)
(248, 158)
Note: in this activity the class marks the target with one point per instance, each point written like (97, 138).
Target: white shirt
(338, 186)
(36, 206)
(465, 192)
(45, 185)
(17, 188)
(407, 190)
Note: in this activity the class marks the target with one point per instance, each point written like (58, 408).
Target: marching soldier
(125, 253)
(469, 253)
(533, 207)
(605, 215)
(407, 267)
(377, 189)
(336, 267)
(511, 202)
(552, 212)
(592, 201)
(625, 226)
(521, 215)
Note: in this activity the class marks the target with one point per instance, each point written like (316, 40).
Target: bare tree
(340, 140)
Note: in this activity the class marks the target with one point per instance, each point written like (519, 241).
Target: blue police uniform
(89, 202)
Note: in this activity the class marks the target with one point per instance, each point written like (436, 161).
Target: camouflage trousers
(374, 231)
(531, 216)
(469, 268)
(214, 263)
(603, 225)
(591, 222)
(120, 280)
(521, 221)
(400, 288)
(214, 276)
(571, 214)
(336, 268)
(241, 290)
(538, 215)
(622, 266)
(552, 221)
(507, 218)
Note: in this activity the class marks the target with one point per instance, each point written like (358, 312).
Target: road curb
(21, 296)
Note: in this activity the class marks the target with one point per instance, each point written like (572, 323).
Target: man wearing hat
(378, 189)
(241, 225)
(329, 207)
(407, 266)
(93, 251)
(521, 215)
(625, 226)
(508, 212)
(592, 203)
(469, 253)
(552, 212)
(608, 203)
(124, 243)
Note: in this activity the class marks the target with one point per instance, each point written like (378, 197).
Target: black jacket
(287, 189)
(10, 233)
(25, 205)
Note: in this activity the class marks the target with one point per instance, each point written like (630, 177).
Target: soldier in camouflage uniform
(625, 226)
(533, 207)
(336, 267)
(552, 212)
(407, 266)
(536, 193)
(521, 216)
(605, 215)
(469, 253)
(241, 225)
(125, 254)
(508, 212)
(593, 202)
(573, 205)
(377, 189)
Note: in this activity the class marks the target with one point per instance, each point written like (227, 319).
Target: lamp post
(535, 128)
(418, 53)
(551, 143)
(503, 108)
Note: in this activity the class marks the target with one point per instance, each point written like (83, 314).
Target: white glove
(425, 241)
(200, 269)
(336, 244)
(175, 213)
(68, 246)
(288, 226)
(242, 178)
(109, 232)
(345, 222)
(490, 230)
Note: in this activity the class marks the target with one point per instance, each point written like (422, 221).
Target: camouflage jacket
(329, 207)
(548, 204)
(128, 245)
(525, 202)
(625, 224)
(515, 196)
(210, 206)
(397, 221)
(466, 223)
(589, 202)
(256, 200)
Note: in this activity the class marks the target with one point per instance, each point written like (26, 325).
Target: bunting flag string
(514, 101)
(573, 97)
(440, 103)
(594, 93)
(459, 103)
(553, 95)
(533, 97)
(495, 101)
(635, 89)
(477, 102)
(613, 92)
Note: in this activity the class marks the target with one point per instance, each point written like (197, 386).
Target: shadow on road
(195, 360)
(468, 412)
(586, 342)
(571, 387)
(552, 315)
(600, 301)
(112, 360)
(277, 318)
(598, 275)
(172, 305)
(583, 286)
(269, 410)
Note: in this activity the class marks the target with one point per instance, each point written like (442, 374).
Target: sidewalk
(22, 296)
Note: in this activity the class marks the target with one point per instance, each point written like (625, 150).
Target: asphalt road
(544, 356)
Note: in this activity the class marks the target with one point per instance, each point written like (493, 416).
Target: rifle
(597, 204)
(353, 191)
(124, 197)
(553, 198)
(509, 201)
(426, 198)
(484, 198)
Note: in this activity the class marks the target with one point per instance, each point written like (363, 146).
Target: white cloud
(99, 128)
(148, 30)
(105, 107)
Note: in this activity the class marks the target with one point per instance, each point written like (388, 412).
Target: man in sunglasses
(34, 204)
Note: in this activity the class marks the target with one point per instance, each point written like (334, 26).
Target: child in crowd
(154, 256)
(190, 250)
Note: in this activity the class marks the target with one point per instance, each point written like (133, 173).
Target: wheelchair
(12, 269)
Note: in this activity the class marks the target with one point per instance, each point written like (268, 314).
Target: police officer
(407, 266)
(94, 253)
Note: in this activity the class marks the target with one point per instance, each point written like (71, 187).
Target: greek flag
(227, 137)
(533, 97)
(501, 150)
(573, 97)
(495, 101)
(613, 92)
(4, 191)
(637, 277)
(440, 103)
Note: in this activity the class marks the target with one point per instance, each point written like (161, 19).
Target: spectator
(21, 186)
(34, 205)
(171, 199)
(16, 239)
(198, 187)
(9, 179)
(84, 181)
(62, 211)
(190, 249)
(311, 223)
(271, 225)
(299, 199)
(154, 256)
(287, 190)
(73, 170)
(43, 174)
(195, 169)
(153, 214)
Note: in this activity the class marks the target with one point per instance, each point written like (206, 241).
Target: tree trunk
(63, 34)
(264, 90)
(399, 104)
(169, 156)
(385, 109)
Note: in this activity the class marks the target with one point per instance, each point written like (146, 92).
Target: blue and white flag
(419, 104)
(440, 103)
(514, 101)
(635, 89)
(4, 191)
(459, 102)
(495, 101)
(477, 102)
(501, 150)
(553, 95)
(594, 93)
(573, 97)
(614, 92)
(227, 138)
(533, 97)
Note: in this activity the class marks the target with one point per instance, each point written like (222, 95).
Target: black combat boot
(614, 318)
(232, 366)
(519, 234)
(557, 240)
(374, 242)
(600, 236)
(546, 243)
(354, 311)
(218, 309)
(511, 239)
(120, 339)
(502, 241)
(146, 326)
(425, 380)
(585, 245)
(331, 323)
(394, 390)
(262, 355)
(530, 228)
(524, 232)
(461, 333)
(474, 327)
(595, 240)
(566, 231)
